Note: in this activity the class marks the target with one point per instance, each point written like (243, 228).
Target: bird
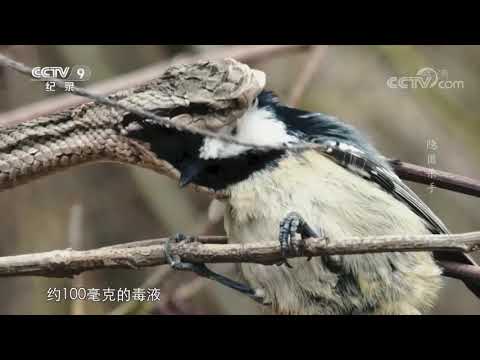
(344, 187)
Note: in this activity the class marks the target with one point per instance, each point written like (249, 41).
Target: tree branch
(150, 253)
(310, 67)
(138, 77)
(66, 263)
(460, 271)
(404, 170)
(440, 179)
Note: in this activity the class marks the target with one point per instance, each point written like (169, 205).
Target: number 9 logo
(80, 73)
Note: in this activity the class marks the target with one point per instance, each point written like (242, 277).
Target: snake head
(206, 95)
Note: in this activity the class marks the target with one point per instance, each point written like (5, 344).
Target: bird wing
(361, 163)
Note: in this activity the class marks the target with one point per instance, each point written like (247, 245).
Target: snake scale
(93, 132)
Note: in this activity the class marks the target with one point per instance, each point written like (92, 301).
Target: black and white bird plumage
(240, 169)
(351, 150)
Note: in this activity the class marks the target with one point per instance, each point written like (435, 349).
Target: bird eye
(234, 131)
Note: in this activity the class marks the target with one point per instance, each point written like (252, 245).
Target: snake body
(206, 94)
(53, 143)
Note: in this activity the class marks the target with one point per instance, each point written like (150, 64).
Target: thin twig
(134, 307)
(26, 70)
(160, 275)
(406, 171)
(205, 239)
(132, 263)
(75, 241)
(440, 179)
(164, 121)
(460, 271)
(313, 59)
(66, 263)
(188, 290)
(241, 53)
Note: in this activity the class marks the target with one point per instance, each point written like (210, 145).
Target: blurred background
(106, 204)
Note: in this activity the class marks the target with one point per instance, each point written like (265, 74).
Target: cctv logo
(76, 73)
(425, 78)
(40, 73)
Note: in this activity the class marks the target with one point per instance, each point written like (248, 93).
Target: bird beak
(190, 172)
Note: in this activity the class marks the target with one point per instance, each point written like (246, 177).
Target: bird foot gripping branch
(202, 270)
(290, 226)
(209, 124)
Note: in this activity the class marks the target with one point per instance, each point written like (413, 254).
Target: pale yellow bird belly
(328, 197)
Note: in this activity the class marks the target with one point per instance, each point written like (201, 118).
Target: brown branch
(134, 307)
(460, 271)
(69, 262)
(161, 274)
(310, 67)
(66, 263)
(404, 170)
(206, 239)
(188, 290)
(241, 53)
(440, 179)
(75, 241)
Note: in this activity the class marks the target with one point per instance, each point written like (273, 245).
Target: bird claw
(290, 226)
(202, 270)
(176, 262)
